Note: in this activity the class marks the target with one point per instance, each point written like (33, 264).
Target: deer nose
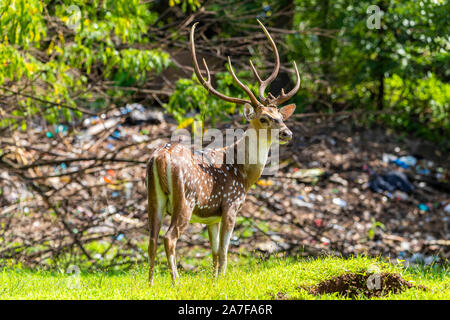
(286, 135)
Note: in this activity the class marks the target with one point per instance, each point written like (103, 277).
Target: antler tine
(283, 96)
(263, 84)
(250, 94)
(207, 83)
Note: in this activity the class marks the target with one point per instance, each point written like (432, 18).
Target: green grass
(246, 279)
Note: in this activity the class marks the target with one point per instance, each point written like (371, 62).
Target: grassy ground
(245, 279)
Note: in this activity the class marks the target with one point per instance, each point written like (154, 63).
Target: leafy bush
(52, 60)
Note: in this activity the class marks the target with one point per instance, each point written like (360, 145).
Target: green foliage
(56, 56)
(83, 43)
(424, 105)
(359, 67)
(193, 4)
(375, 225)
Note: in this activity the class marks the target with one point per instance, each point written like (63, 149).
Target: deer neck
(256, 154)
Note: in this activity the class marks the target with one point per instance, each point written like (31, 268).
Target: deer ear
(287, 111)
(249, 112)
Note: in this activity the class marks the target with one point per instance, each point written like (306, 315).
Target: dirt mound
(367, 284)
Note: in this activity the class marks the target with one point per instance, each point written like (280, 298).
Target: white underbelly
(205, 220)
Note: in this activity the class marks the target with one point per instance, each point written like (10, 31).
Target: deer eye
(264, 120)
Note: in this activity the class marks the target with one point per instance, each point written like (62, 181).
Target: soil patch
(366, 284)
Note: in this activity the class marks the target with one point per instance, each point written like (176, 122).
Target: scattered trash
(340, 202)
(315, 197)
(128, 189)
(404, 162)
(388, 157)
(400, 195)
(405, 246)
(105, 125)
(318, 222)
(302, 204)
(62, 129)
(139, 138)
(264, 182)
(88, 122)
(447, 208)
(116, 135)
(423, 207)
(307, 175)
(325, 241)
(137, 115)
(422, 171)
(107, 180)
(111, 209)
(120, 237)
(408, 160)
(337, 179)
(391, 181)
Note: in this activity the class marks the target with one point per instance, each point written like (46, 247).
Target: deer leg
(156, 207)
(178, 224)
(226, 229)
(213, 233)
(155, 225)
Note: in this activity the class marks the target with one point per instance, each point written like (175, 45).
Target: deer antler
(264, 83)
(283, 96)
(207, 83)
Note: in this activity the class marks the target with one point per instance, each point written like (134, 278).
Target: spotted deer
(200, 187)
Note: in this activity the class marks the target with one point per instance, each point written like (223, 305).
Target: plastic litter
(90, 121)
(447, 208)
(128, 189)
(404, 162)
(340, 202)
(116, 135)
(388, 157)
(302, 204)
(391, 181)
(308, 175)
(337, 179)
(408, 160)
(137, 114)
(120, 237)
(105, 125)
(422, 171)
(423, 207)
(318, 222)
(400, 195)
(61, 128)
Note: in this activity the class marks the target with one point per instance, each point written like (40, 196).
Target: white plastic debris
(340, 202)
(300, 203)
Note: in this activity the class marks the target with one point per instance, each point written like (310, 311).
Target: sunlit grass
(245, 279)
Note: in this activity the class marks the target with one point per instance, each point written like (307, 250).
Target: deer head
(264, 112)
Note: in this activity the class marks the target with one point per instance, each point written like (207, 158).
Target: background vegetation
(62, 58)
